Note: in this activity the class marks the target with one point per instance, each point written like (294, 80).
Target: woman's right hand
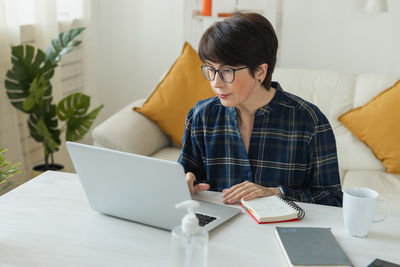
(190, 178)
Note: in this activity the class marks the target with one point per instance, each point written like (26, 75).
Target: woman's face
(236, 93)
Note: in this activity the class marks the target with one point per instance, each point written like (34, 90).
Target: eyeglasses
(225, 73)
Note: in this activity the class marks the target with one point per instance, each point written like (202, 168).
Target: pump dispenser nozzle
(190, 223)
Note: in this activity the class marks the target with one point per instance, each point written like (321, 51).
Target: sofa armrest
(130, 131)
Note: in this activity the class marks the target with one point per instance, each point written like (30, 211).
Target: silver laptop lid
(131, 186)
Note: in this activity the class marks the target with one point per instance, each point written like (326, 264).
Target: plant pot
(39, 169)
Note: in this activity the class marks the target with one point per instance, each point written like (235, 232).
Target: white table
(48, 222)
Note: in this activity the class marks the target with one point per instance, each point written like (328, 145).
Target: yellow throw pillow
(182, 87)
(377, 124)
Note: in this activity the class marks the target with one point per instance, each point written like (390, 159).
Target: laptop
(139, 188)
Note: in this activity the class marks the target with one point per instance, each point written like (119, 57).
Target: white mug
(359, 207)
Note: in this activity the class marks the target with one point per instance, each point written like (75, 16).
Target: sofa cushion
(369, 86)
(182, 87)
(131, 132)
(357, 154)
(354, 155)
(377, 125)
(168, 153)
(387, 185)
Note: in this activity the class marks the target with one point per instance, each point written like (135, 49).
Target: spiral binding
(300, 212)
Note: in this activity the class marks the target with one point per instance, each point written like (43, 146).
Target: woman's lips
(222, 96)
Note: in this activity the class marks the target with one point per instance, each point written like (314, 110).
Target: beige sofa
(333, 92)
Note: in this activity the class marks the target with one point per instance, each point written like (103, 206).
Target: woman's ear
(261, 72)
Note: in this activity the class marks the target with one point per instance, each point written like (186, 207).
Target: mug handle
(387, 211)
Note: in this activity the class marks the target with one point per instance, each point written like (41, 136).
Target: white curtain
(9, 130)
(35, 22)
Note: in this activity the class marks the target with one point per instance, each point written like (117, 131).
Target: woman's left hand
(246, 191)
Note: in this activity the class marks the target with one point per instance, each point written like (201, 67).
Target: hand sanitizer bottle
(189, 240)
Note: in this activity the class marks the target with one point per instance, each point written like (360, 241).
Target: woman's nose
(217, 82)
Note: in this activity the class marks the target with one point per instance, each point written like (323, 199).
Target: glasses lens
(227, 74)
(208, 72)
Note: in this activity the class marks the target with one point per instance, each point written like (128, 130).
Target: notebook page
(270, 206)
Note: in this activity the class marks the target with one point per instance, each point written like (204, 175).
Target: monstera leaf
(26, 67)
(63, 44)
(36, 93)
(48, 134)
(73, 109)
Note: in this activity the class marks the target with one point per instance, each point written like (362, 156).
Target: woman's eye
(226, 71)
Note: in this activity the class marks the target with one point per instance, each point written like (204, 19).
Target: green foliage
(63, 44)
(6, 171)
(29, 90)
(36, 93)
(73, 109)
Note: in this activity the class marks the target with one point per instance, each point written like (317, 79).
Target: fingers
(236, 192)
(245, 191)
(253, 194)
(233, 188)
(232, 199)
(201, 187)
(190, 178)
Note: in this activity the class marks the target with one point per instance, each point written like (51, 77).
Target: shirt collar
(274, 103)
(278, 95)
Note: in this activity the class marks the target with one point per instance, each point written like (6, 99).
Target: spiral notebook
(273, 209)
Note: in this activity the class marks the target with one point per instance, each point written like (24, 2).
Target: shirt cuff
(281, 189)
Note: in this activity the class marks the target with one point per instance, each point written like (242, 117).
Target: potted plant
(29, 90)
(6, 171)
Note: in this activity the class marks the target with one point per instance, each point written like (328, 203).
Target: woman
(253, 139)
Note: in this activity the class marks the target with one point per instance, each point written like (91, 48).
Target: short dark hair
(244, 39)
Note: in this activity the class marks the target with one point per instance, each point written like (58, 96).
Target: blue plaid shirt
(292, 145)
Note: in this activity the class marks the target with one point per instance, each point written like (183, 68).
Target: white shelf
(213, 18)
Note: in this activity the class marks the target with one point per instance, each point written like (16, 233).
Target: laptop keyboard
(204, 219)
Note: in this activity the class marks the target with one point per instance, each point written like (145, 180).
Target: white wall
(135, 42)
(339, 35)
